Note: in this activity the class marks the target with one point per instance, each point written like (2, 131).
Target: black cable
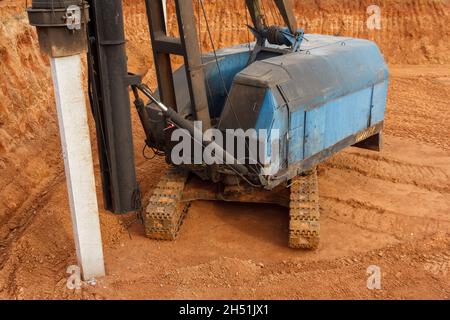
(145, 156)
(217, 61)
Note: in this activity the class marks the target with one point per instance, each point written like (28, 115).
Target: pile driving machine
(320, 93)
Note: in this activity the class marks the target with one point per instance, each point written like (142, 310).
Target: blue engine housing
(330, 95)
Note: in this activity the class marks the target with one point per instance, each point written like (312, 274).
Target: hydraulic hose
(183, 123)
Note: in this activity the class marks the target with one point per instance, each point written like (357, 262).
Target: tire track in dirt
(378, 219)
(420, 114)
(18, 225)
(24, 217)
(380, 167)
(326, 278)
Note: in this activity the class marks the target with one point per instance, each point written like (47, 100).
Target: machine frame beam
(188, 47)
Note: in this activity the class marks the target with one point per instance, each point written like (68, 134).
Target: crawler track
(166, 212)
(304, 225)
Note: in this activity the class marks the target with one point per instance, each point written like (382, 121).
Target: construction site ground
(389, 209)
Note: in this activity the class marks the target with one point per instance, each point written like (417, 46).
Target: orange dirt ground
(390, 209)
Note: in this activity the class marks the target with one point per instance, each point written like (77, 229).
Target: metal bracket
(61, 30)
(73, 17)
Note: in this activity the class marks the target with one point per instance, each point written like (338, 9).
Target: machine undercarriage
(169, 203)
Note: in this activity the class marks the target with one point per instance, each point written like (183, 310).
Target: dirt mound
(26, 107)
(27, 124)
(412, 32)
